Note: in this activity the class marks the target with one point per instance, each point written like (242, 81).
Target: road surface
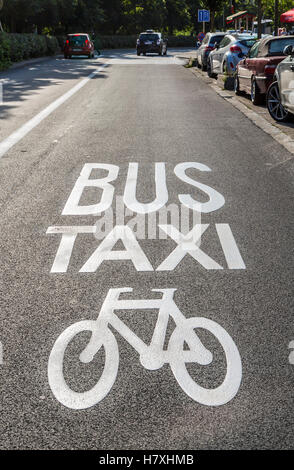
(203, 362)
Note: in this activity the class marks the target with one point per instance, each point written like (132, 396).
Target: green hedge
(4, 52)
(17, 47)
(126, 42)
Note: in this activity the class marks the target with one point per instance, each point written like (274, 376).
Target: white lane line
(16, 136)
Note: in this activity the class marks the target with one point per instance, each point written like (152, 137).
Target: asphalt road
(239, 280)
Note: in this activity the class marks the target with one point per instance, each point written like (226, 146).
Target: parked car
(228, 53)
(78, 44)
(151, 41)
(255, 73)
(207, 45)
(280, 95)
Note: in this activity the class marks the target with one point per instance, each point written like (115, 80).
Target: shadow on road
(21, 84)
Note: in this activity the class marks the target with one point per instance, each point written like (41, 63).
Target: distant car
(255, 73)
(228, 53)
(207, 45)
(280, 95)
(152, 42)
(78, 44)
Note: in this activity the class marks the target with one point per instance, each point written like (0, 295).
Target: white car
(280, 95)
(225, 57)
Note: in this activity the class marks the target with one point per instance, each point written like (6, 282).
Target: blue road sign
(203, 15)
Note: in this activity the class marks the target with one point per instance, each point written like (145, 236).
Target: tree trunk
(276, 17)
(259, 16)
(212, 18)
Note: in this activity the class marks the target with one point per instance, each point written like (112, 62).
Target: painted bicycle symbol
(152, 356)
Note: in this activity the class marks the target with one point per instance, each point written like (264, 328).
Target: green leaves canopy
(119, 16)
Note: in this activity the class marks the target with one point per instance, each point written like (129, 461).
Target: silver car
(208, 44)
(228, 53)
(280, 95)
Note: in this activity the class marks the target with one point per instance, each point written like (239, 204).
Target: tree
(1, 6)
(177, 15)
(113, 16)
(214, 6)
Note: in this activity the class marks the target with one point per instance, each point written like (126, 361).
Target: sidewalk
(24, 63)
(282, 132)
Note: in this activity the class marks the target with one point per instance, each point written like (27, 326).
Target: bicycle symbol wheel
(59, 387)
(230, 386)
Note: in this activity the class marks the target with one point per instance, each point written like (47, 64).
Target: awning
(287, 17)
(239, 15)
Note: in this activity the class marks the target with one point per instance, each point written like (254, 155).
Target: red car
(78, 44)
(255, 72)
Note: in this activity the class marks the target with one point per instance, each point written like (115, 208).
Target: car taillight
(67, 41)
(235, 49)
(269, 69)
(86, 42)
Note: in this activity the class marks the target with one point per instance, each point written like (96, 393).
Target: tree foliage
(120, 16)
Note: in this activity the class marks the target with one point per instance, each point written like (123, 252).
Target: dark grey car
(152, 42)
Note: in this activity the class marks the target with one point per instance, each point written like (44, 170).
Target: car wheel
(237, 85)
(209, 72)
(65, 56)
(203, 67)
(138, 53)
(274, 105)
(256, 96)
(165, 52)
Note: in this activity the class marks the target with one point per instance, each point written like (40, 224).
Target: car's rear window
(248, 42)
(277, 46)
(77, 40)
(215, 39)
(149, 37)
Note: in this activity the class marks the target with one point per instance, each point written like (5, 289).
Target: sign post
(203, 17)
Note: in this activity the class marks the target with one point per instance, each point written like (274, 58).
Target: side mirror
(288, 50)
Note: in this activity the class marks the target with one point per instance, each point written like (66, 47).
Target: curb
(282, 138)
(24, 63)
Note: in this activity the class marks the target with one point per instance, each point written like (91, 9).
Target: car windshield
(277, 46)
(149, 37)
(216, 39)
(77, 40)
